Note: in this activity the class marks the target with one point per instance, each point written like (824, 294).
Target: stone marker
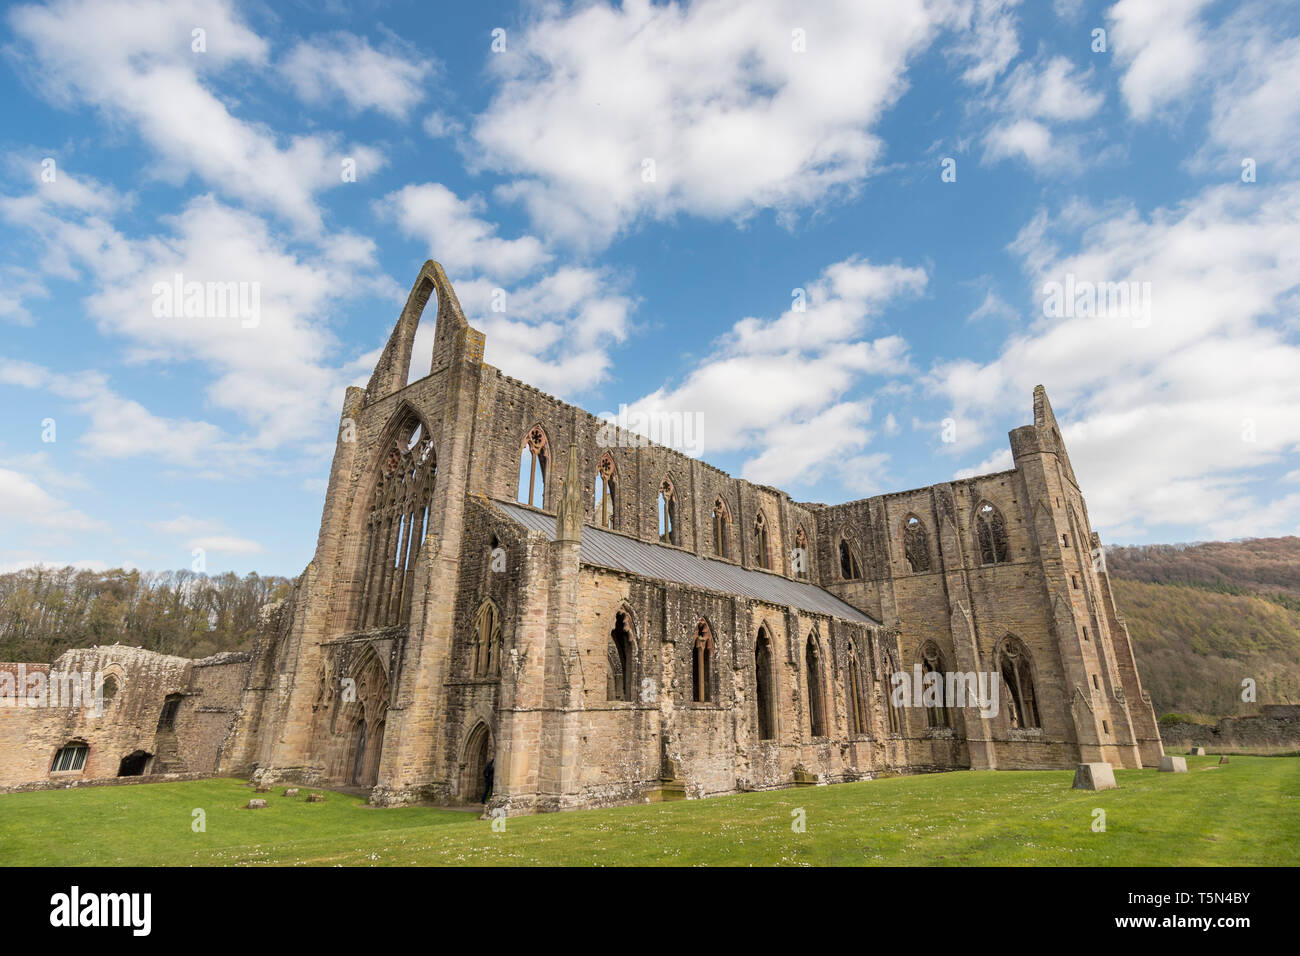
(1197, 751)
(1095, 776)
(256, 804)
(1223, 760)
(1170, 764)
(291, 791)
(262, 788)
(315, 798)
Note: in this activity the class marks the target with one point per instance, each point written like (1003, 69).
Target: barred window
(70, 757)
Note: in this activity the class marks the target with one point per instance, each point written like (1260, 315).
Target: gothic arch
(850, 566)
(704, 664)
(802, 555)
(815, 677)
(916, 544)
(535, 460)
(670, 531)
(485, 640)
(622, 651)
(404, 469)
(855, 690)
(991, 534)
(605, 503)
(721, 528)
(766, 694)
(477, 750)
(1015, 667)
(762, 541)
(932, 660)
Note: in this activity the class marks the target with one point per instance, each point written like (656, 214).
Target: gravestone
(256, 804)
(1170, 764)
(315, 798)
(291, 791)
(1223, 760)
(1095, 776)
(1197, 751)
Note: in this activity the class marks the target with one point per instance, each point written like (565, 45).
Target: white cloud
(1171, 419)
(988, 41)
(346, 66)
(24, 502)
(454, 234)
(733, 118)
(1161, 46)
(780, 384)
(133, 61)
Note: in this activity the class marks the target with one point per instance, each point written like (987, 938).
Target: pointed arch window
(721, 524)
(895, 717)
(936, 709)
(1018, 684)
(850, 570)
(606, 483)
(761, 542)
(916, 545)
(991, 531)
(668, 533)
(534, 466)
(802, 556)
(702, 664)
(857, 702)
(621, 652)
(397, 525)
(486, 656)
(764, 686)
(816, 705)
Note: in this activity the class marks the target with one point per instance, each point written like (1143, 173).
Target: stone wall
(1275, 730)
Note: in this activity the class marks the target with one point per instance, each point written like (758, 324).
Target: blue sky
(792, 146)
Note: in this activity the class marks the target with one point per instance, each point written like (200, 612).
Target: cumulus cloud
(133, 61)
(783, 385)
(1174, 417)
(603, 115)
(1161, 47)
(345, 66)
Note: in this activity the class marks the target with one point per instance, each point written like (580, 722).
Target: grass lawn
(1244, 813)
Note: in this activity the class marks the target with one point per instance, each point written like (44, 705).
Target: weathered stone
(1197, 751)
(1094, 776)
(256, 804)
(1223, 760)
(315, 798)
(291, 791)
(447, 641)
(1171, 764)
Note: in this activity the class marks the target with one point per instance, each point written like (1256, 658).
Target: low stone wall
(72, 784)
(1276, 730)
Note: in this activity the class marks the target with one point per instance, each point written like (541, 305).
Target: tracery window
(702, 664)
(668, 514)
(916, 544)
(802, 556)
(764, 689)
(606, 482)
(850, 570)
(991, 531)
(857, 703)
(486, 655)
(721, 522)
(761, 543)
(534, 466)
(816, 704)
(932, 662)
(397, 525)
(1018, 684)
(621, 652)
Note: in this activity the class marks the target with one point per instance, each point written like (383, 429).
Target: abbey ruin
(502, 577)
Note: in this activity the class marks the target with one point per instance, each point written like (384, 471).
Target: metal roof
(622, 553)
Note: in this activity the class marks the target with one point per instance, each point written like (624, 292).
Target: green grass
(1244, 813)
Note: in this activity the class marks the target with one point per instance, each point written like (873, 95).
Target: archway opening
(475, 777)
(134, 764)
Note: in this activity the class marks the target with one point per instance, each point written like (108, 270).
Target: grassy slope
(1247, 812)
(1204, 616)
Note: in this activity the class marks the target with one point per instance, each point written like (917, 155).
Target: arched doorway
(478, 751)
(134, 764)
(357, 772)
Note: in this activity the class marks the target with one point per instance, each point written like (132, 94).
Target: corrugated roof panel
(621, 553)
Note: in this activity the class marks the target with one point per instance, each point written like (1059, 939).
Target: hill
(1205, 616)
